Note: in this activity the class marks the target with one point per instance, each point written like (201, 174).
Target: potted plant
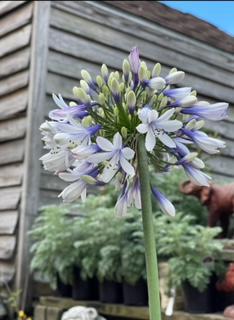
(133, 261)
(192, 251)
(225, 288)
(52, 255)
(110, 274)
(99, 252)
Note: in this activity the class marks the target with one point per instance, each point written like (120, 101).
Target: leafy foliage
(52, 251)
(191, 250)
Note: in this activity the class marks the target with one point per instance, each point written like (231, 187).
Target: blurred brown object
(218, 199)
(227, 285)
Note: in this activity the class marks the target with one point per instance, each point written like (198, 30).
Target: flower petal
(127, 167)
(117, 141)
(169, 125)
(104, 144)
(165, 205)
(108, 173)
(99, 157)
(142, 128)
(128, 153)
(150, 140)
(165, 139)
(166, 115)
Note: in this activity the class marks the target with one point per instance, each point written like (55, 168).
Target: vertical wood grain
(36, 98)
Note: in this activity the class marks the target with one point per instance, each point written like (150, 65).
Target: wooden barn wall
(85, 34)
(15, 35)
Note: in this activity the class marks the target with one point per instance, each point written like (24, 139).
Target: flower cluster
(93, 139)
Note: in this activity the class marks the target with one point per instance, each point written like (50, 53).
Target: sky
(219, 13)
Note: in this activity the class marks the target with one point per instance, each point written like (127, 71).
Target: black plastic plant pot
(135, 295)
(228, 299)
(196, 301)
(64, 290)
(84, 289)
(110, 292)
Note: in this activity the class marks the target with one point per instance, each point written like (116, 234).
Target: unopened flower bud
(175, 77)
(190, 156)
(72, 104)
(131, 99)
(104, 72)
(163, 102)
(156, 83)
(156, 70)
(124, 132)
(187, 101)
(173, 70)
(87, 121)
(114, 86)
(191, 124)
(81, 95)
(199, 124)
(105, 90)
(198, 163)
(121, 87)
(86, 76)
(101, 98)
(126, 67)
(88, 179)
(116, 75)
(99, 81)
(143, 72)
(101, 112)
(84, 85)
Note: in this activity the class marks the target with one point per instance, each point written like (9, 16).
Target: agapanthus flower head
(93, 139)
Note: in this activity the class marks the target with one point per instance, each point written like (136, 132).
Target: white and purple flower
(94, 139)
(115, 156)
(156, 126)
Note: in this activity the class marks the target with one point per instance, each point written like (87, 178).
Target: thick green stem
(149, 238)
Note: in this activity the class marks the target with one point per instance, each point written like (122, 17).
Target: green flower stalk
(119, 124)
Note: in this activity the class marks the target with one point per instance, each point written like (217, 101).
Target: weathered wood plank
(37, 92)
(14, 62)
(8, 222)
(13, 104)
(11, 152)
(59, 84)
(221, 165)
(220, 179)
(51, 182)
(107, 36)
(229, 149)
(12, 129)
(10, 198)
(7, 271)
(71, 66)
(223, 128)
(15, 41)
(12, 83)
(86, 49)
(146, 30)
(6, 6)
(11, 175)
(16, 19)
(7, 247)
